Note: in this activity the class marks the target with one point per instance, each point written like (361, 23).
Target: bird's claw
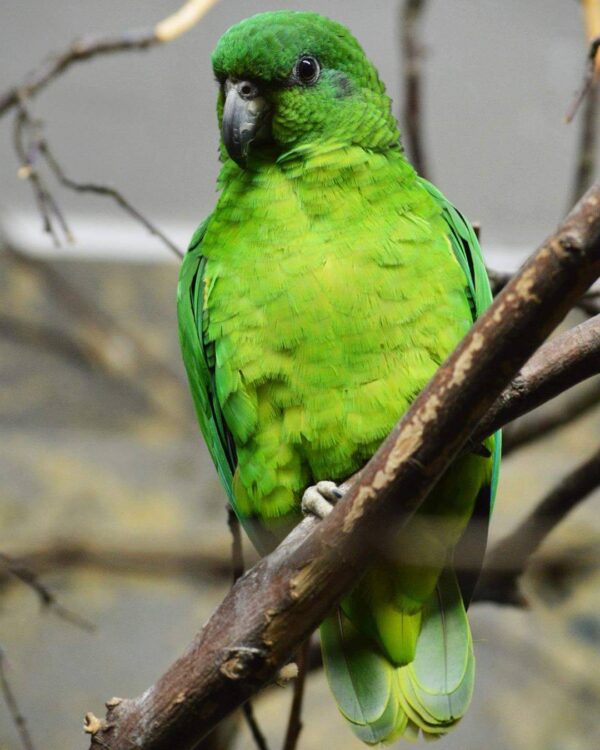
(319, 499)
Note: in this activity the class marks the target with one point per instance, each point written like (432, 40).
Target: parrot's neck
(324, 163)
(307, 192)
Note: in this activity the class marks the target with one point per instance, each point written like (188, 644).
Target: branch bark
(559, 365)
(278, 603)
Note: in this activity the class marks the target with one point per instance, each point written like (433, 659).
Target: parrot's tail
(383, 702)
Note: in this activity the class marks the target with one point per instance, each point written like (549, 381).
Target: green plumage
(315, 303)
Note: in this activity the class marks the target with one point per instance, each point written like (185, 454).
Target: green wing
(466, 249)
(199, 362)
(468, 253)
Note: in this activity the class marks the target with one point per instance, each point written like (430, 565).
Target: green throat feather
(315, 303)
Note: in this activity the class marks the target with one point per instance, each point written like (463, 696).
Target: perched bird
(315, 303)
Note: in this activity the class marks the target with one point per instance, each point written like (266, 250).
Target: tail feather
(362, 680)
(429, 695)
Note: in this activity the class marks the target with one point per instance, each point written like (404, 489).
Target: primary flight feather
(314, 304)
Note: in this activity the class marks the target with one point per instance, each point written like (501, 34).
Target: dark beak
(244, 114)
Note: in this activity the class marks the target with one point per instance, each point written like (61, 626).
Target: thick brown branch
(278, 603)
(509, 558)
(560, 364)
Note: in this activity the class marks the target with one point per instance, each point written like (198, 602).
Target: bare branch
(589, 302)
(585, 166)
(540, 425)
(294, 726)
(237, 560)
(288, 593)
(106, 343)
(19, 571)
(95, 45)
(253, 726)
(560, 364)
(588, 78)
(509, 558)
(105, 190)
(27, 170)
(30, 144)
(84, 553)
(13, 707)
(412, 55)
(237, 556)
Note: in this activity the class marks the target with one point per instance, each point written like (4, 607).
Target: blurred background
(106, 490)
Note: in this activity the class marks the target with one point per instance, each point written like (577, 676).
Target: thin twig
(19, 571)
(237, 565)
(15, 712)
(42, 337)
(585, 166)
(104, 190)
(294, 726)
(27, 170)
(94, 45)
(253, 726)
(116, 350)
(509, 558)
(28, 153)
(237, 554)
(588, 78)
(412, 56)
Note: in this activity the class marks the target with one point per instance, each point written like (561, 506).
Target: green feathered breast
(314, 304)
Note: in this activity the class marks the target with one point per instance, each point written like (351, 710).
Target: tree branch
(99, 45)
(560, 364)
(19, 571)
(286, 595)
(509, 558)
(106, 344)
(412, 55)
(540, 425)
(13, 707)
(588, 78)
(294, 726)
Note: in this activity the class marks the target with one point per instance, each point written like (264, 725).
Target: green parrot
(315, 303)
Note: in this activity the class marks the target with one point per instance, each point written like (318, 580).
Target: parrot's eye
(307, 70)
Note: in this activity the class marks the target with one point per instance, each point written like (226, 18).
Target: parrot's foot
(319, 499)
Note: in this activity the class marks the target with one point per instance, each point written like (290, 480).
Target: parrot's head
(290, 80)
